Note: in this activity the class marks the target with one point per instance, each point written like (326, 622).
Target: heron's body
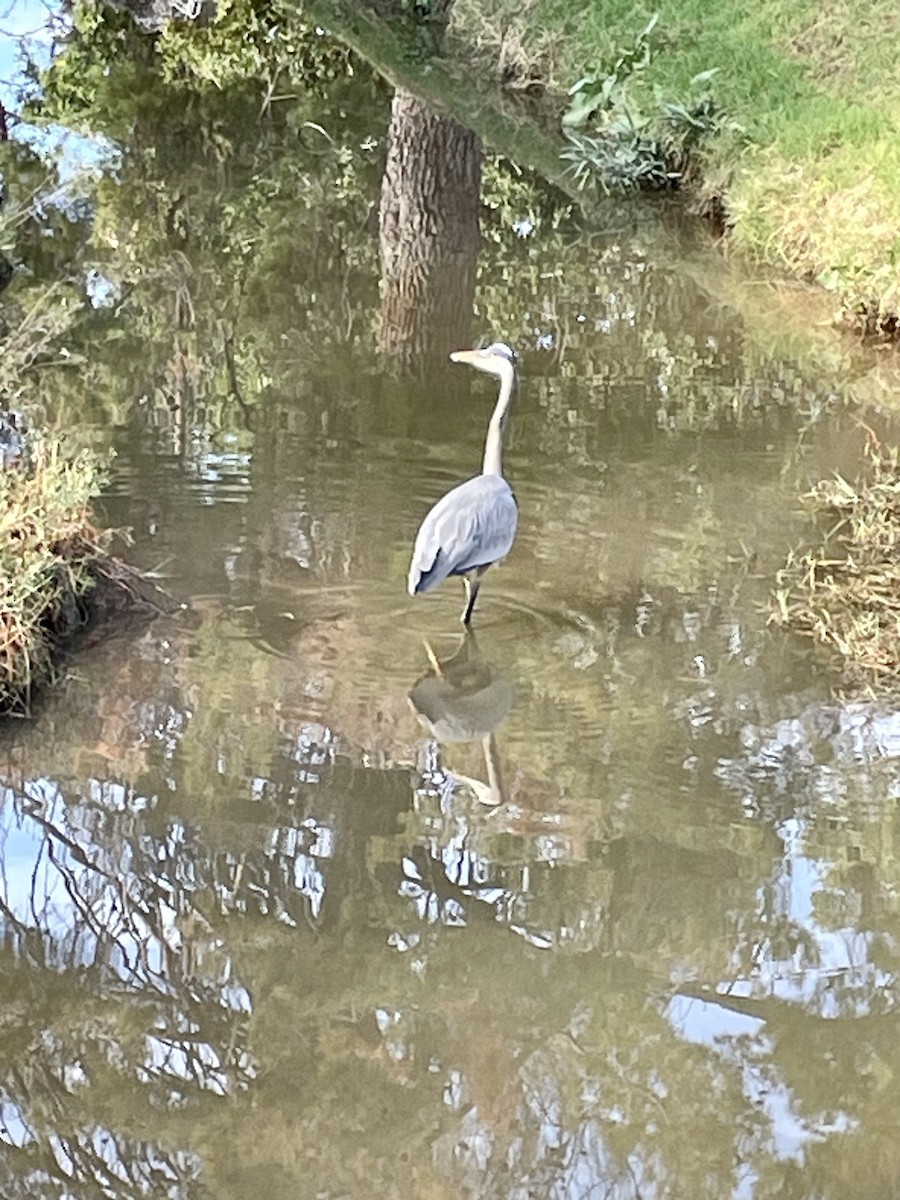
(474, 525)
(467, 530)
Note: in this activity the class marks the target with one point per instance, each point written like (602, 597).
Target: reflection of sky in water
(15, 1131)
(28, 878)
(785, 759)
(27, 29)
(57, 891)
(23, 26)
(223, 477)
(94, 911)
(64, 871)
(117, 1154)
(740, 1039)
(819, 974)
(828, 971)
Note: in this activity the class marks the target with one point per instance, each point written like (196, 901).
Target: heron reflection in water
(474, 525)
(463, 699)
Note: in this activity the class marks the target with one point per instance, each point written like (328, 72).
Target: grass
(48, 553)
(846, 593)
(808, 166)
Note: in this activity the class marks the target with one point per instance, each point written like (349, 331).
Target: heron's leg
(472, 586)
(470, 600)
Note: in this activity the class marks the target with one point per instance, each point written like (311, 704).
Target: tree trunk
(430, 196)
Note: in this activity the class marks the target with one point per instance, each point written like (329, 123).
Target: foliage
(254, 42)
(45, 313)
(44, 225)
(846, 593)
(621, 157)
(604, 89)
(47, 543)
(253, 901)
(635, 142)
(238, 899)
(232, 137)
(114, 78)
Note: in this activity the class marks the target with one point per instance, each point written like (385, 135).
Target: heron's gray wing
(472, 526)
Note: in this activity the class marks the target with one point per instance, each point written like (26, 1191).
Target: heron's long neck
(494, 442)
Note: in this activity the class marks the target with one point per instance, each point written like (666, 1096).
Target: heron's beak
(465, 356)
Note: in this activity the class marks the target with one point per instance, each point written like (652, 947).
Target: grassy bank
(808, 165)
(48, 555)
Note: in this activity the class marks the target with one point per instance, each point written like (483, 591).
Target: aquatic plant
(845, 593)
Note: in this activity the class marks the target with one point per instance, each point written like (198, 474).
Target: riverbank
(58, 578)
(806, 168)
(49, 556)
(843, 593)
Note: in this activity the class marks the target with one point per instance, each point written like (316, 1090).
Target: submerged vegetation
(846, 593)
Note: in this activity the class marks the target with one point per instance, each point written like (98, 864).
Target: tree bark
(429, 228)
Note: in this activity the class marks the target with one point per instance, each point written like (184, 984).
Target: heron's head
(496, 359)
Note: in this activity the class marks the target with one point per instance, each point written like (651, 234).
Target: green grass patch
(835, 218)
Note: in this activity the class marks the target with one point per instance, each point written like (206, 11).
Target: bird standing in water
(474, 525)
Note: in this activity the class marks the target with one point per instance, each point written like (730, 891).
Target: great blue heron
(474, 525)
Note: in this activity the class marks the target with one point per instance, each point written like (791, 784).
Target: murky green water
(265, 932)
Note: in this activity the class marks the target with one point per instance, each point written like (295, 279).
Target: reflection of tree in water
(274, 920)
(242, 258)
(93, 924)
